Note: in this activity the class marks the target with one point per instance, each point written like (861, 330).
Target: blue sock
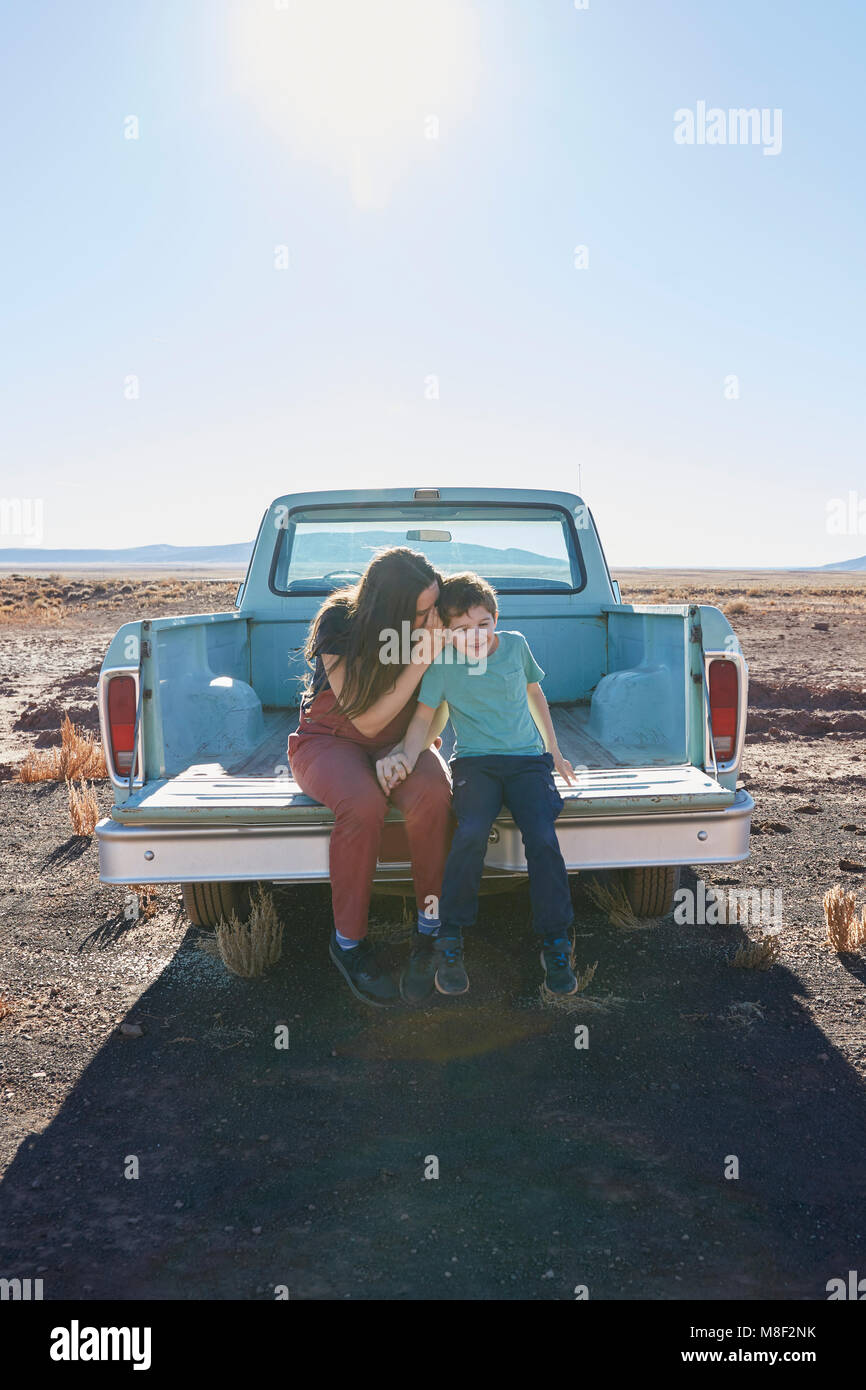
(428, 926)
(345, 943)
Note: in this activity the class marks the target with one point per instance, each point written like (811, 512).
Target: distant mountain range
(326, 547)
(331, 549)
(859, 564)
(133, 555)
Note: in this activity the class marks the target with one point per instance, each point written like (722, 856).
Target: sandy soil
(557, 1166)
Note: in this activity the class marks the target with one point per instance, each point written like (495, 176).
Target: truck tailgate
(205, 794)
(647, 789)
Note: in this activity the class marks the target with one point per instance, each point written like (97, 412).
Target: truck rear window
(517, 550)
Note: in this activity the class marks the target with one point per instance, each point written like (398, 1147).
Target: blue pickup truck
(648, 702)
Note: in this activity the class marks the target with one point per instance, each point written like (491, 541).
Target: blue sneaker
(416, 981)
(557, 957)
(364, 973)
(450, 977)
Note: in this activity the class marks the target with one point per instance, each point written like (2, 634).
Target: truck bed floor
(568, 720)
(257, 786)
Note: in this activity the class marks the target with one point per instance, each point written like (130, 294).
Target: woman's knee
(363, 807)
(426, 793)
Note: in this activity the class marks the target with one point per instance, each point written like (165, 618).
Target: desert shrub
(845, 930)
(21, 613)
(79, 755)
(251, 947)
(758, 955)
(83, 808)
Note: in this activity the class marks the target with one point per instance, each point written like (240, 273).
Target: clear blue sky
(304, 125)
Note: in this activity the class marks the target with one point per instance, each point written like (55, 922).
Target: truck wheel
(651, 890)
(206, 903)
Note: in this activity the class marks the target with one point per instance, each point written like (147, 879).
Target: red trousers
(334, 764)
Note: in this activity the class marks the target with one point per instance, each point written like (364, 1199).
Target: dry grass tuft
(208, 944)
(79, 755)
(613, 900)
(83, 808)
(581, 1002)
(584, 976)
(743, 1012)
(42, 612)
(758, 955)
(384, 927)
(845, 930)
(250, 948)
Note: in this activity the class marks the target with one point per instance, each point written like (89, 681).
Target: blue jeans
(526, 786)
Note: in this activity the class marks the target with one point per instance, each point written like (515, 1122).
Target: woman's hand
(436, 636)
(392, 769)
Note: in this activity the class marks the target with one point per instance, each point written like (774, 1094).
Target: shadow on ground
(558, 1166)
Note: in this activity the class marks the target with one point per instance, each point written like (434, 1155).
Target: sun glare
(360, 85)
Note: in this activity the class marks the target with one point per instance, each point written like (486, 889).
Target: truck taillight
(121, 721)
(724, 703)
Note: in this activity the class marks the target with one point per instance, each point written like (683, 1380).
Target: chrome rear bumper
(299, 854)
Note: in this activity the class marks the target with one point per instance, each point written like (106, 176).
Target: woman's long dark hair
(384, 598)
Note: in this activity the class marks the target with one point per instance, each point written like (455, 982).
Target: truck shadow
(700, 1140)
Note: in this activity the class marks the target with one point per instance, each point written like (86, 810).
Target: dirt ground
(558, 1166)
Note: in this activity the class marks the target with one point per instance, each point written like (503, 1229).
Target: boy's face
(473, 630)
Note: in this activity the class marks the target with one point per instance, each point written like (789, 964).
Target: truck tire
(651, 890)
(206, 903)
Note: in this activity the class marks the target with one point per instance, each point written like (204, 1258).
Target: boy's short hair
(460, 592)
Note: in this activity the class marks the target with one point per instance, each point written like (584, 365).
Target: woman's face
(426, 614)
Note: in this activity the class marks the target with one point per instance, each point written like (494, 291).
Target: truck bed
(568, 721)
(257, 787)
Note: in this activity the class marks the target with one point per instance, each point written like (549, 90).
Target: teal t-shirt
(489, 708)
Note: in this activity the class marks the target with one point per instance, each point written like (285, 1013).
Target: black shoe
(363, 973)
(416, 981)
(450, 977)
(557, 959)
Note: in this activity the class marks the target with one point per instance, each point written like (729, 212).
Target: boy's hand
(563, 767)
(393, 769)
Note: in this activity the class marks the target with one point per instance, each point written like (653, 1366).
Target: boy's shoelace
(559, 956)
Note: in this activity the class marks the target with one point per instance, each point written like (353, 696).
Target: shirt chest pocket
(512, 688)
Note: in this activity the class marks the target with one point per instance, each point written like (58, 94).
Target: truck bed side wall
(196, 679)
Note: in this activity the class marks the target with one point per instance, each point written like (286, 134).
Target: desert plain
(606, 1166)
